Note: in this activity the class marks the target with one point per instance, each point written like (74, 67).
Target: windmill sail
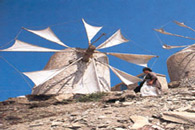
(89, 83)
(165, 46)
(47, 34)
(91, 30)
(183, 25)
(141, 60)
(124, 77)
(40, 77)
(21, 46)
(115, 39)
(161, 30)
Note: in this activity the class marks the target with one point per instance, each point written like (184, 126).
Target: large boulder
(179, 117)
(65, 81)
(139, 121)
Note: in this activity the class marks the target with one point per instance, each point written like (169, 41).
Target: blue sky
(135, 18)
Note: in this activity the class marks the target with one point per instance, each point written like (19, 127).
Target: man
(150, 86)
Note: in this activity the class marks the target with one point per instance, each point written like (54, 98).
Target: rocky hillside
(125, 110)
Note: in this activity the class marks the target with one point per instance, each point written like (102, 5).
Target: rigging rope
(137, 45)
(17, 71)
(155, 61)
(7, 43)
(166, 24)
(17, 35)
(161, 42)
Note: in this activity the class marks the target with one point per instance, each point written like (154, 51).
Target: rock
(108, 112)
(36, 125)
(75, 114)
(192, 109)
(181, 109)
(101, 117)
(129, 94)
(122, 121)
(193, 93)
(150, 127)
(179, 117)
(139, 121)
(103, 126)
(65, 124)
(119, 96)
(63, 97)
(171, 126)
(75, 126)
(189, 98)
(127, 103)
(84, 115)
(56, 123)
(119, 129)
(174, 84)
(113, 98)
(117, 102)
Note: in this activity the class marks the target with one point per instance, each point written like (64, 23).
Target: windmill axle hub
(89, 52)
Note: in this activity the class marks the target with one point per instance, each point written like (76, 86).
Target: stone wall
(181, 65)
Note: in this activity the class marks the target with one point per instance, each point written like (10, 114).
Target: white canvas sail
(47, 34)
(91, 30)
(141, 60)
(161, 30)
(165, 46)
(181, 24)
(124, 77)
(115, 39)
(40, 77)
(20, 46)
(89, 82)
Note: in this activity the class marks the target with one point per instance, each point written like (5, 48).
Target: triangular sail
(115, 39)
(141, 60)
(40, 77)
(183, 25)
(89, 82)
(165, 46)
(91, 30)
(21, 46)
(124, 77)
(47, 34)
(161, 30)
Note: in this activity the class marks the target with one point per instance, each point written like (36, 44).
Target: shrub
(94, 97)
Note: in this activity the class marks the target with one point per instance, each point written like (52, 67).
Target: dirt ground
(112, 112)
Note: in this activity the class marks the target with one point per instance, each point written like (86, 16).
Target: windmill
(181, 64)
(76, 70)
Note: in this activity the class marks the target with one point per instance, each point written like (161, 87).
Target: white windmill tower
(75, 70)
